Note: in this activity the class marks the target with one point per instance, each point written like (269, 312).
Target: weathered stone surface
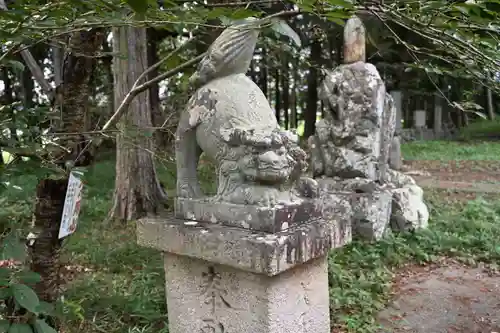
(397, 97)
(399, 179)
(268, 219)
(244, 249)
(395, 157)
(420, 118)
(387, 133)
(230, 120)
(354, 41)
(409, 212)
(348, 140)
(370, 203)
(372, 213)
(210, 298)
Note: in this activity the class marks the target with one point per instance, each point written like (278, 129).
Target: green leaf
(13, 248)
(16, 65)
(4, 326)
(5, 293)
(42, 327)
(25, 297)
(46, 308)
(20, 328)
(139, 6)
(341, 3)
(283, 28)
(28, 277)
(5, 276)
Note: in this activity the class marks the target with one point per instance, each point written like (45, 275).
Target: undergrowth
(481, 129)
(113, 285)
(452, 150)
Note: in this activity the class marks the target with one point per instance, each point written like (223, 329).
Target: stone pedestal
(222, 279)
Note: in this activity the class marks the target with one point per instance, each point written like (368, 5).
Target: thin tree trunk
(137, 190)
(8, 100)
(489, 104)
(312, 89)
(263, 84)
(157, 116)
(295, 93)
(286, 92)
(277, 95)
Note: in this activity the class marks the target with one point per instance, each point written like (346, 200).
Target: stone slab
(203, 297)
(268, 219)
(371, 204)
(244, 249)
(372, 213)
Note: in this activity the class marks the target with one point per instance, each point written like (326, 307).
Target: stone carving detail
(214, 295)
(351, 147)
(230, 120)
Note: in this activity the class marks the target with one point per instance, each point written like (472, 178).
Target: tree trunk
(286, 92)
(489, 104)
(73, 96)
(277, 96)
(50, 196)
(137, 190)
(8, 100)
(263, 84)
(312, 89)
(295, 93)
(157, 116)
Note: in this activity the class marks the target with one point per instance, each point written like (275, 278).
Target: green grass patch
(120, 286)
(481, 129)
(451, 150)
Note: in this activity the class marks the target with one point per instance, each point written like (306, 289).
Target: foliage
(482, 129)
(451, 150)
(22, 311)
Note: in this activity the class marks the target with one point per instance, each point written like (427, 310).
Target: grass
(119, 287)
(451, 150)
(480, 129)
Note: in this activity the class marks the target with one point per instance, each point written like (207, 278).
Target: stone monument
(253, 257)
(351, 147)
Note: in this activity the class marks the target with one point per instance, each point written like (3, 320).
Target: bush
(481, 129)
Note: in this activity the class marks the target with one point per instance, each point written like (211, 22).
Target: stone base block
(372, 213)
(222, 279)
(203, 297)
(244, 249)
(267, 219)
(371, 204)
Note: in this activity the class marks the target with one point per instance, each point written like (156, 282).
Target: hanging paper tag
(72, 203)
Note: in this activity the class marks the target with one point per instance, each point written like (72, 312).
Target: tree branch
(32, 64)
(137, 88)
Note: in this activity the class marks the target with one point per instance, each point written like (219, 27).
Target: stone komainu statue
(230, 120)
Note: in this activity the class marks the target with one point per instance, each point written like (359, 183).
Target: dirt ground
(483, 172)
(447, 297)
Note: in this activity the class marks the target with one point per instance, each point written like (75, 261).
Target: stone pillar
(222, 279)
(395, 156)
(397, 96)
(420, 117)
